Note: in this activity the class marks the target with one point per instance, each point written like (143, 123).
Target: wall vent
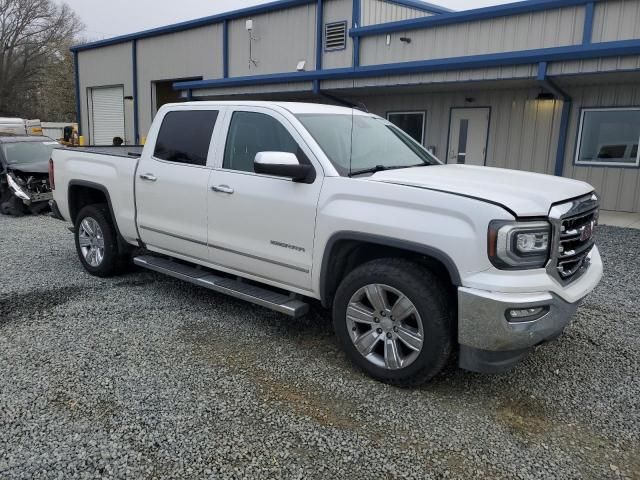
(335, 36)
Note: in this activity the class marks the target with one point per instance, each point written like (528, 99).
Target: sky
(104, 19)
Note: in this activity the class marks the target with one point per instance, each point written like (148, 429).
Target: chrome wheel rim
(385, 326)
(91, 241)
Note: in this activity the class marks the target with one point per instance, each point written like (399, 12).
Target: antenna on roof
(344, 102)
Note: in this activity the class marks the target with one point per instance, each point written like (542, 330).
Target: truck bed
(127, 151)
(111, 168)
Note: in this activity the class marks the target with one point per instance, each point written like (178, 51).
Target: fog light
(526, 314)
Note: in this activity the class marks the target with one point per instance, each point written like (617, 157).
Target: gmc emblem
(587, 232)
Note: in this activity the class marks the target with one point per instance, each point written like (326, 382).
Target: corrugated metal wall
(598, 65)
(616, 20)
(619, 187)
(102, 67)
(281, 39)
(230, 92)
(545, 29)
(338, 11)
(193, 53)
(473, 75)
(522, 132)
(380, 11)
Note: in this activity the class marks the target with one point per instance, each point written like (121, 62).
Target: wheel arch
(82, 193)
(347, 250)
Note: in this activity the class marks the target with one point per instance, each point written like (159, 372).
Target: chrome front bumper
(483, 323)
(490, 341)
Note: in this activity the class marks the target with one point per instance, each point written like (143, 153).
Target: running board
(236, 288)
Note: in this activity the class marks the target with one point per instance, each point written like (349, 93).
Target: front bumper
(491, 342)
(27, 197)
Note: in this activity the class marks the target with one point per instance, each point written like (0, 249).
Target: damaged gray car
(24, 174)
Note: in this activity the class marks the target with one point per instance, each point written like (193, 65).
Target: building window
(609, 137)
(335, 36)
(185, 136)
(411, 122)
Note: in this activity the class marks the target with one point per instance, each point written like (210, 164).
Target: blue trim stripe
(225, 48)
(572, 52)
(466, 16)
(200, 22)
(420, 5)
(542, 71)
(589, 12)
(356, 17)
(77, 79)
(567, 102)
(134, 67)
(319, 34)
(319, 42)
(562, 139)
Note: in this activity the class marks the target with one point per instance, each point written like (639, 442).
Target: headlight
(519, 245)
(17, 189)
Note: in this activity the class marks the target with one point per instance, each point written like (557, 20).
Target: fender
(96, 186)
(399, 244)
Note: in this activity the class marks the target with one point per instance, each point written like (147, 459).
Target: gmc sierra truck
(283, 203)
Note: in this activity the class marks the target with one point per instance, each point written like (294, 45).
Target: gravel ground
(142, 376)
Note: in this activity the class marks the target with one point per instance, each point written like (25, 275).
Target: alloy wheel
(91, 241)
(385, 326)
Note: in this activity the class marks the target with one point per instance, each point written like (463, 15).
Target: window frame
(423, 113)
(595, 163)
(225, 129)
(221, 117)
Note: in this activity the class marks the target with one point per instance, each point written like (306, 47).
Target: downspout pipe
(549, 85)
(319, 43)
(77, 81)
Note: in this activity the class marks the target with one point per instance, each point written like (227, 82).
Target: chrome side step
(206, 278)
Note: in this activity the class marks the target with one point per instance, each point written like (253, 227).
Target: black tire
(14, 207)
(114, 261)
(429, 296)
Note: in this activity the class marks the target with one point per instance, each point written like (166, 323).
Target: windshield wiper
(382, 168)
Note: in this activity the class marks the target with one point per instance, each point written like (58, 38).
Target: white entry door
(107, 115)
(468, 136)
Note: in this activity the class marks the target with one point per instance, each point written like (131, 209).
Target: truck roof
(295, 108)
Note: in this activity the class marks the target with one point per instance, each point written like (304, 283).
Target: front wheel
(392, 317)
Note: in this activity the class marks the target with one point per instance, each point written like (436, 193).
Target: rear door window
(185, 136)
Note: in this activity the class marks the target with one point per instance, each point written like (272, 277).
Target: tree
(36, 68)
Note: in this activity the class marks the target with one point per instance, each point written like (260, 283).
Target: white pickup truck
(283, 203)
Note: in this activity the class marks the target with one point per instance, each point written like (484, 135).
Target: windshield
(27, 152)
(358, 142)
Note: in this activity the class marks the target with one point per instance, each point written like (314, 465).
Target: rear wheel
(96, 242)
(392, 318)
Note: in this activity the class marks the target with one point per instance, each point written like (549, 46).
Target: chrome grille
(574, 224)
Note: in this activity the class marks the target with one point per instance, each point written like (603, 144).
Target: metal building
(550, 86)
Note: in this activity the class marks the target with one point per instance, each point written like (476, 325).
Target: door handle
(149, 177)
(222, 189)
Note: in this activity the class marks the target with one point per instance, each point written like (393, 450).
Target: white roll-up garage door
(107, 115)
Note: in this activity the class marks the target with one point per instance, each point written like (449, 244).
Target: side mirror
(283, 164)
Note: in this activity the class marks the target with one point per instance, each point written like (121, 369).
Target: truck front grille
(574, 224)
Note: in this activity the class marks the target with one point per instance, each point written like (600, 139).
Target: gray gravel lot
(142, 376)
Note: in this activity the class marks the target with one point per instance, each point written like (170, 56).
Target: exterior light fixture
(545, 96)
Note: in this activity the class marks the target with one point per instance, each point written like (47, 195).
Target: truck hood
(525, 194)
(30, 167)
